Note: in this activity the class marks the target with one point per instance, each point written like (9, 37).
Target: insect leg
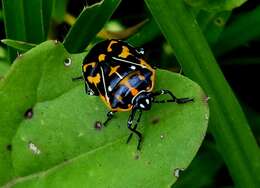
(133, 129)
(174, 98)
(77, 78)
(135, 126)
(110, 116)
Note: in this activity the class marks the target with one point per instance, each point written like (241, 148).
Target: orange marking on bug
(144, 64)
(125, 52)
(101, 57)
(134, 91)
(113, 70)
(95, 79)
(89, 64)
(109, 49)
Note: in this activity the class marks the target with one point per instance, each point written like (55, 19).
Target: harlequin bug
(117, 73)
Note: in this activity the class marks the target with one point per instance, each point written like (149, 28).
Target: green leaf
(228, 124)
(14, 23)
(147, 33)
(58, 139)
(1, 15)
(26, 21)
(202, 171)
(254, 119)
(24, 86)
(23, 16)
(4, 67)
(88, 24)
(212, 24)
(245, 28)
(59, 10)
(216, 5)
(33, 18)
(47, 8)
(18, 45)
(2, 53)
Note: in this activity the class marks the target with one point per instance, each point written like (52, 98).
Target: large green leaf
(48, 135)
(23, 86)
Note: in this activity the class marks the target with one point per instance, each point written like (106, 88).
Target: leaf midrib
(62, 164)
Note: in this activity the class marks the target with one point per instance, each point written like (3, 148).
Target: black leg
(174, 99)
(110, 115)
(77, 78)
(133, 129)
(135, 126)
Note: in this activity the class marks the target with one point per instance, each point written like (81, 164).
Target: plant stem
(228, 124)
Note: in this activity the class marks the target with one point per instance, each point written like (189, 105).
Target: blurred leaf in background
(26, 21)
(220, 5)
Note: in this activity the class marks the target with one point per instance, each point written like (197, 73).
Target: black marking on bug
(28, 113)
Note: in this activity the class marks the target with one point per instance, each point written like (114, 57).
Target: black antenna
(77, 78)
